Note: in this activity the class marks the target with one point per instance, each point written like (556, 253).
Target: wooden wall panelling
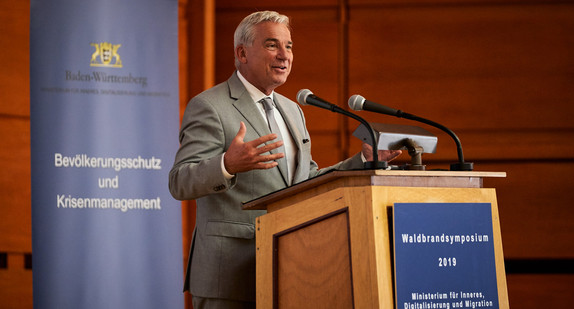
(317, 67)
(534, 291)
(15, 76)
(186, 84)
(486, 70)
(535, 210)
(259, 5)
(15, 221)
(15, 129)
(16, 284)
(197, 73)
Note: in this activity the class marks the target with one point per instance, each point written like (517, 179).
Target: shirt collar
(255, 93)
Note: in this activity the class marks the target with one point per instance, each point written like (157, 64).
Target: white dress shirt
(288, 142)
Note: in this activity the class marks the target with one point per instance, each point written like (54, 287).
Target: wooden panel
(364, 262)
(258, 5)
(279, 222)
(403, 3)
(314, 266)
(479, 67)
(225, 24)
(186, 80)
(16, 284)
(511, 145)
(15, 76)
(15, 222)
(540, 291)
(195, 72)
(315, 65)
(325, 148)
(535, 208)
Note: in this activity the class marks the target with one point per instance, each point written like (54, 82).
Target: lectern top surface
(403, 178)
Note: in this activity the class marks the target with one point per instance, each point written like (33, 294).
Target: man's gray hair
(245, 34)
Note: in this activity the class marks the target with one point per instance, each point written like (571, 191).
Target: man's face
(267, 63)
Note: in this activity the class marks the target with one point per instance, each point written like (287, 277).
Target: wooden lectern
(326, 242)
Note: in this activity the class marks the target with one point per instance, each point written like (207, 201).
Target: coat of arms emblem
(106, 55)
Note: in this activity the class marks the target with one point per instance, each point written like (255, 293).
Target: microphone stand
(303, 97)
(461, 165)
(375, 164)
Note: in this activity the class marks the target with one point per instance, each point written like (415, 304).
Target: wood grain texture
(313, 265)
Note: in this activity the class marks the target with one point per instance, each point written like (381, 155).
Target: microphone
(306, 97)
(358, 102)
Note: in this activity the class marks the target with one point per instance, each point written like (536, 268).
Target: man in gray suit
(229, 155)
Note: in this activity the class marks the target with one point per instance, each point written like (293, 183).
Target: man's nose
(283, 53)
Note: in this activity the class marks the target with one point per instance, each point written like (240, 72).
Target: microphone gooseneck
(358, 102)
(306, 97)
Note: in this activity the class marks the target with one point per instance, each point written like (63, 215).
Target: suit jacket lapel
(295, 128)
(289, 120)
(244, 104)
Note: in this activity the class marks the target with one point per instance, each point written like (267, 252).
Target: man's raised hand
(245, 156)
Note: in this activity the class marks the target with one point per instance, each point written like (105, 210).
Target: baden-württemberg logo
(106, 55)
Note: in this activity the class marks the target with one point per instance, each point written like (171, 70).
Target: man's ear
(241, 54)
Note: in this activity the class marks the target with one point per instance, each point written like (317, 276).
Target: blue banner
(444, 256)
(104, 125)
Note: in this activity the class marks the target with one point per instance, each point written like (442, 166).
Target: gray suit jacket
(222, 258)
